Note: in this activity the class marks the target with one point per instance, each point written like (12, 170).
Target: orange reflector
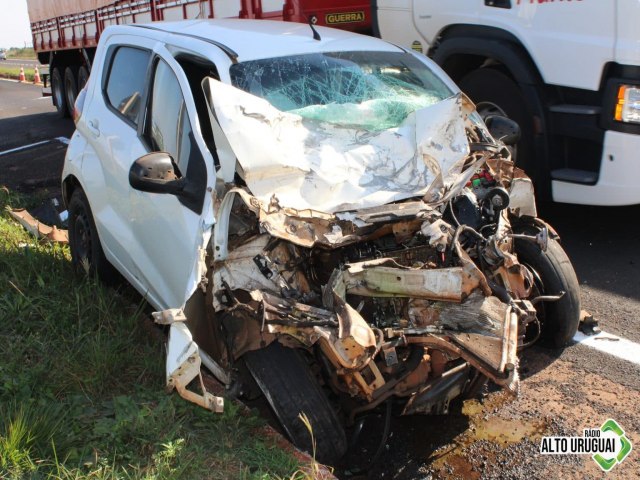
(622, 91)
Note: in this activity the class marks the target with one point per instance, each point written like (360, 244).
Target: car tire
(71, 87)
(87, 256)
(494, 92)
(554, 273)
(57, 90)
(290, 388)
(83, 77)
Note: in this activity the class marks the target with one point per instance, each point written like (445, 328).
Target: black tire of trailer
(83, 77)
(290, 388)
(492, 87)
(58, 93)
(87, 255)
(555, 272)
(71, 86)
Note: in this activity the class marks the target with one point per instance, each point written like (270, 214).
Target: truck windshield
(370, 90)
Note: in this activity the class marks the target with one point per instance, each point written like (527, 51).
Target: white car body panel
(322, 168)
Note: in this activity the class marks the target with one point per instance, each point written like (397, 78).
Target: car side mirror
(503, 129)
(156, 173)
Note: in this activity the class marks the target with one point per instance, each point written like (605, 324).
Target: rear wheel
(554, 273)
(57, 90)
(290, 388)
(87, 255)
(71, 86)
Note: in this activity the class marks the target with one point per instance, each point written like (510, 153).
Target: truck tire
(87, 256)
(71, 86)
(57, 90)
(83, 77)
(290, 388)
(554, 273)
(494, 92)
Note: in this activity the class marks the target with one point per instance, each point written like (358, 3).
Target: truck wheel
(493, 92)
(57, 90)
(83, 77)
(554, 273)
(71, 86)
(87, 255)
(290, 388)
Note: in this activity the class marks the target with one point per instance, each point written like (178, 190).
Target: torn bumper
(184, 362)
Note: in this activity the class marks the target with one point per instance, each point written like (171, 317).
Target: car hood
(310, 164)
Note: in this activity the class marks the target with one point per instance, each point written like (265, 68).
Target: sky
(14, 24)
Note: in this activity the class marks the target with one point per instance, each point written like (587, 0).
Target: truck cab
(568, 72)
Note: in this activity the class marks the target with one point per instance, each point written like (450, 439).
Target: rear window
(125, 84)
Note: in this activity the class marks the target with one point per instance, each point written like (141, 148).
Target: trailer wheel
(57, 89)
(290, 388)
(83, 77)
(494, 92)
(71, 86)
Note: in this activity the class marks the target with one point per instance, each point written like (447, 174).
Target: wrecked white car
(317, 215)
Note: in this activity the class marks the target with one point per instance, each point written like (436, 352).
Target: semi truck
(568, 71)
(66, 32)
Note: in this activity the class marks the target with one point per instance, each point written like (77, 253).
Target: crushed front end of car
(386, 254)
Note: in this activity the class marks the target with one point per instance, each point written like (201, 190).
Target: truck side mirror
(503, 129)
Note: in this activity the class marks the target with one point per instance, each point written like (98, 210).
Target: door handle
(92, 125)
(498, 3)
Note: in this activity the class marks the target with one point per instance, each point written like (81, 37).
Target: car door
(171, 232)
(110, 125)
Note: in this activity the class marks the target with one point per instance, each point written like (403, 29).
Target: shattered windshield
(373, 91)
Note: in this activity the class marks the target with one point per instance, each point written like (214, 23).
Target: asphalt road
(26, 118)
(562, 392)
(20, 62)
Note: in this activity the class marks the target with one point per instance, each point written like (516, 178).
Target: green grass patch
(82, 384)
(27, 53)
(14, 73)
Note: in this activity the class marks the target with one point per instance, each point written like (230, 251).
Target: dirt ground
(497, 436)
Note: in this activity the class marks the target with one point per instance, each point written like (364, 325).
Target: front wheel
(290, 388)
(495, 93)
(553, 273)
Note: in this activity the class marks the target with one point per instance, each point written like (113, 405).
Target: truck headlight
(628, 104)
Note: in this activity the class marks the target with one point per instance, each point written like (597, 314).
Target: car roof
(257, 39)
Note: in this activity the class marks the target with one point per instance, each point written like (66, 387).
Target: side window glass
(168, 128)
(126, 81)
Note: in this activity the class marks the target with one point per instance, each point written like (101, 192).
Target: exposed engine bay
(395, 297)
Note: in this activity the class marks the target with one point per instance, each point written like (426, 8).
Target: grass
(81, 384)
(14, 73)
(27, 53)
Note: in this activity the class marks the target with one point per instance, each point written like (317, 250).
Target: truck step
(575, 109)
(573, 175)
